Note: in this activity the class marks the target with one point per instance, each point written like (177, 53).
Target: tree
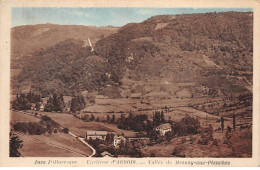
(169, 136)
(49, 107)
(229, 128)
(187, 125)
(108, 118)
(222, 123)
(113, 119)
(37, 106)
(77, 103)
(153, 155)
(92, 117)
(162, 117)
(234, 122)
(14, 145)
(66, 130)
(131, 115)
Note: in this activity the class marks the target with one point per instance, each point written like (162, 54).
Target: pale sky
(100, 16)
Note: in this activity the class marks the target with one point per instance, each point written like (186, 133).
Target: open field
(21, 117)
(43, 147)
(79, 127)
(66, 141)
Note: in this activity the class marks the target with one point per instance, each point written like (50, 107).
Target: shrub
(203, 141)
(215, 142)
(32, 128)
(65, 130)
(153, 155)
(177, 152)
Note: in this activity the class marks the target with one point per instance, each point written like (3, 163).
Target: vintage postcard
(129, 83)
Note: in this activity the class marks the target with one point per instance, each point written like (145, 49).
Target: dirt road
(84, 142)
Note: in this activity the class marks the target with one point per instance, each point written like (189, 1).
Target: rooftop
(99, 133)
(164, 126)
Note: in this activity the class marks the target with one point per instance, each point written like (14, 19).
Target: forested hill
(212, 50)
(26, 39)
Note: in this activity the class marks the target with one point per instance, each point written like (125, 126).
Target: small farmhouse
(118, 140)
(42, 107)
(163, 128)
(96, 135)
(33, 106)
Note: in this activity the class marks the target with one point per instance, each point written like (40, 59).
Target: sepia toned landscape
(169, 86)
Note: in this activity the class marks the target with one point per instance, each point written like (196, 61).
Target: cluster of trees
(158, 118)
(49, 123)
(245, 96)
(77, 103)
(33, 128)
(37, 128)
(137, 123)
(88, 118)
(55, 103)
(112, 119)
(24, 101)
(91, 117)
(187, 126)
(14, 145)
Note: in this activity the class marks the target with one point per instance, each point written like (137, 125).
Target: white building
(96, 135)
(42, 107)
(118, 140)
(163, 128)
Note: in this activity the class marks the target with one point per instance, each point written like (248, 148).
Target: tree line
(24, 101)
(55, 103)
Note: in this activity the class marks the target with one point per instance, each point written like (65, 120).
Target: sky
(100, 16)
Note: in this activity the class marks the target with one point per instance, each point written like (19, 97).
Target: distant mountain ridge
(26, 39)
(208, 49)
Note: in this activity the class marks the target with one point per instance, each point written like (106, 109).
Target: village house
(96, 135)
(33, 106)
(118, 140)
(163, 128)
(67, 109)
(42, 107)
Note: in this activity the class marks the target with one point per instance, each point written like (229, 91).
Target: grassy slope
(80, 127)
(35, 145)
(32, 147)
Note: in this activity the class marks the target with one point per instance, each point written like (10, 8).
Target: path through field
(84, 142)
